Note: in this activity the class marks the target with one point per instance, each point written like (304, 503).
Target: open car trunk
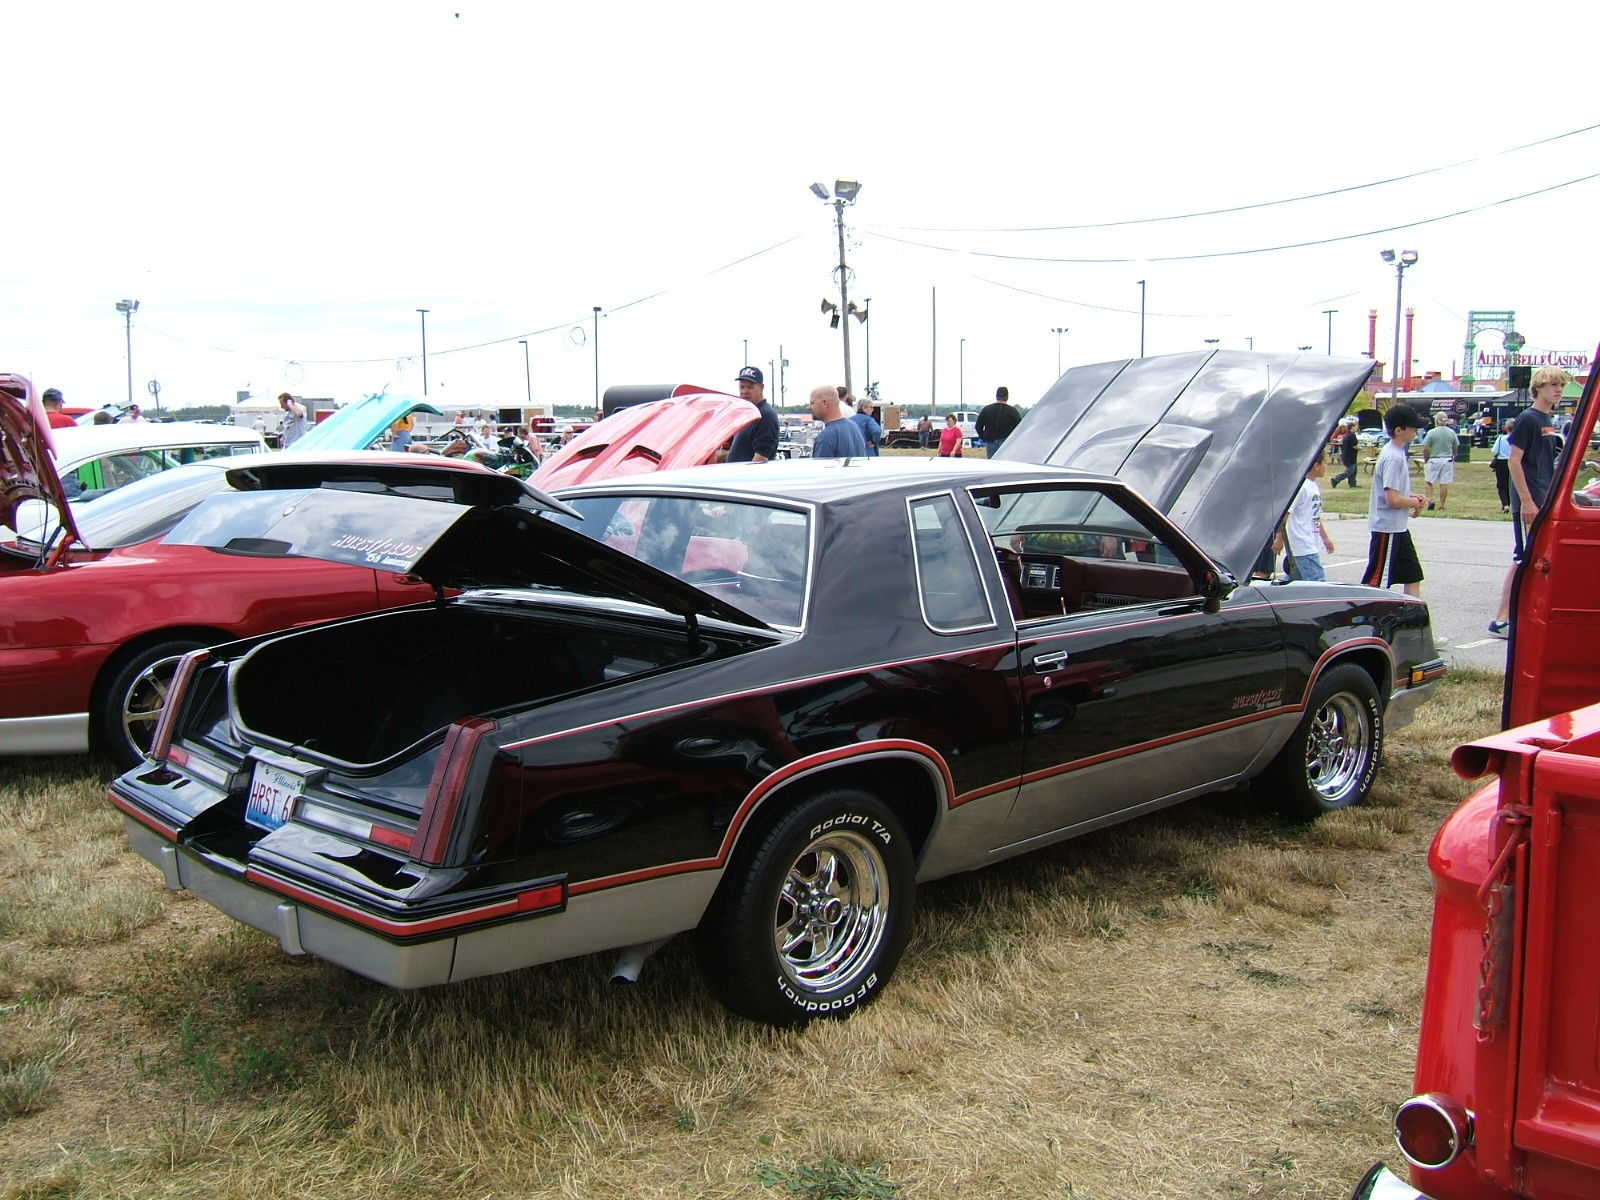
(360, 692)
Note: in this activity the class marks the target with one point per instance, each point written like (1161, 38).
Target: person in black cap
(1391, 558)
(52, 410)
(996, 421)
(757, 441)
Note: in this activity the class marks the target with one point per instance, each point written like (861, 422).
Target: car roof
(81, 443)
(823, 481)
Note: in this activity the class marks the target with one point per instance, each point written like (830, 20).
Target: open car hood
(683, 431)
(1217, 440)
(27, 465)
(455, 525)
(356, 426)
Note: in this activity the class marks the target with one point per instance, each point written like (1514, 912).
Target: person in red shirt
(52, 409)
(950, 438)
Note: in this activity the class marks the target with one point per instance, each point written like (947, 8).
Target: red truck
(1507, 1099)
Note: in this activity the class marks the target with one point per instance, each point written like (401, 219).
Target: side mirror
(1219, 585)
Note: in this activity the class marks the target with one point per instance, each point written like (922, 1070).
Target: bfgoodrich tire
(124, 720)
(812, 917)
(1330, 761)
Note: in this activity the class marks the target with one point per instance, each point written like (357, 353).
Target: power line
(499, 341)
(1217, 212)
(1328, 241)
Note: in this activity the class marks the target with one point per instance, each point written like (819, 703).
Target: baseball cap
(51, 394)
(751, 375)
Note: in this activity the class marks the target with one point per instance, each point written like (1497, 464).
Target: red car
(93, 618)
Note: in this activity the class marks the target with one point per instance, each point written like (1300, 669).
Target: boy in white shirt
(1303, 530)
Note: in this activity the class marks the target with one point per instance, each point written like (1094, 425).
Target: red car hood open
(683, 431)
(27, 470)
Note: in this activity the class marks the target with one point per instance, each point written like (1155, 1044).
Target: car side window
(947, 573)
(1069, 550)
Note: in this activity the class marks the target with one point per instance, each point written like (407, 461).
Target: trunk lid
(27, 468)
(453, 524)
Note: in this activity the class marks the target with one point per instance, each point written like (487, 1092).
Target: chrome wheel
(832, 912)
(1331, 759)
(1338, 746)
(145, 699)
(129, 700)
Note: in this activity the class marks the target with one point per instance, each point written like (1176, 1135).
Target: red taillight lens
(437, 819)
(161, 744)
(1432, 1130)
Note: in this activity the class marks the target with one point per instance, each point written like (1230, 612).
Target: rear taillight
(451, 773)
(161, 744)
(1432, 1130)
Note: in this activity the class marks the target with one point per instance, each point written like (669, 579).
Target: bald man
(840, 436)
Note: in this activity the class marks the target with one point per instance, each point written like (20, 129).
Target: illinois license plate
(273, 796)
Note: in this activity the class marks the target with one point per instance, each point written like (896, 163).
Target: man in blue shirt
(757, 441)
(1535, 447)
(840, 436)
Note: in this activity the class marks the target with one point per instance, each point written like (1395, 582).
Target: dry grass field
(1212, 1002)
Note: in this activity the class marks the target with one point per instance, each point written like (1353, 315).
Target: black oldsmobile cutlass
(764, 702)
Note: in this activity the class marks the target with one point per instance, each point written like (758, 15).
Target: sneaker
(1498, 628)
(1430, 505)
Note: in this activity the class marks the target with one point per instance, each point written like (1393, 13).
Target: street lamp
(961, 375)
(1141, 318)
(1328, 312)
(1058, 331)
(423, 314)
(1213, 341)
(527, 371)
(127, 308)
(844, 193)
(1406, 258)
(596, 358)
(1303, 349)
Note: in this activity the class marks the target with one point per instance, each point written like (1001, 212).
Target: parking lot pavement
(1463, 563)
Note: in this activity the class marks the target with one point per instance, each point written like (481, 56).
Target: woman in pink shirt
(950, 438)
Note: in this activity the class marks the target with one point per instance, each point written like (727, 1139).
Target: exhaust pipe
(631, 959)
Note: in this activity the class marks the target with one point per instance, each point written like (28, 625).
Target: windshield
(755, 557)
(136, 513)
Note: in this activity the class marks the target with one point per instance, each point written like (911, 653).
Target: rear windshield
(755, 557)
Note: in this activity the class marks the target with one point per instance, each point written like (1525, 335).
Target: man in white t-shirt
(1303, 530)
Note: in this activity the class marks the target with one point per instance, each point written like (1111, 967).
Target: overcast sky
(282, 186)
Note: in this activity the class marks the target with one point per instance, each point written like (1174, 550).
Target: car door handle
(1045, 663)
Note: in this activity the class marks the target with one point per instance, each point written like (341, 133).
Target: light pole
(1058, 331)
(1141, 318)
(844, 193)
(1400, 262)
(423, 314)
(1328, 312)
(961, 375)
(527, 371)
(127, 308)
(597, 358)
(1250, 343)
(866, 332)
